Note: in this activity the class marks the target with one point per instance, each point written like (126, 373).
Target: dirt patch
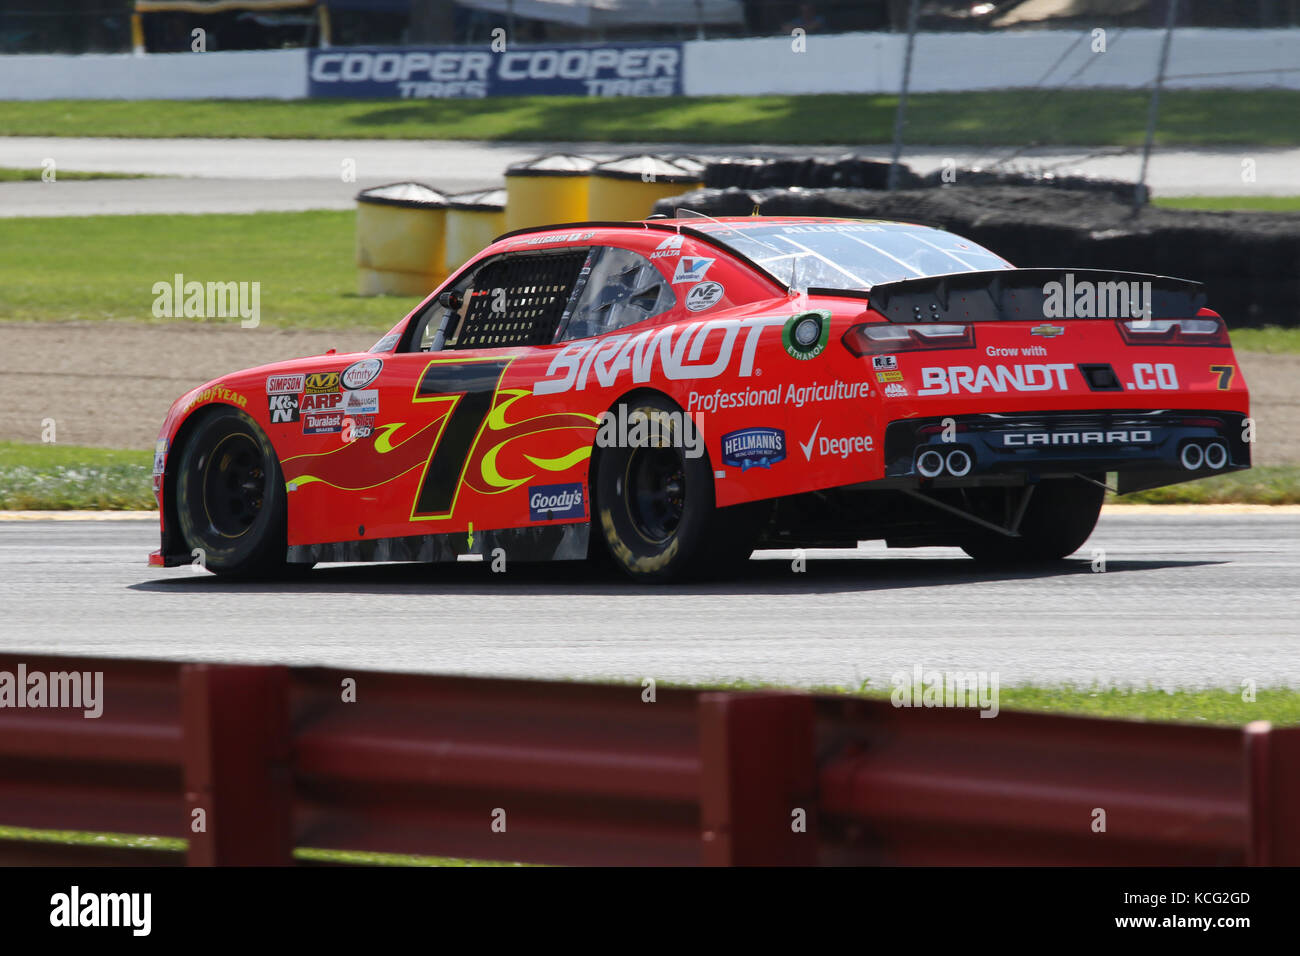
(110, 384)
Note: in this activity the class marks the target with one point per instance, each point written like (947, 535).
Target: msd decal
(678, 350)
(998, 378)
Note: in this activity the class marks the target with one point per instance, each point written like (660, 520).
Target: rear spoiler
(1031, 295)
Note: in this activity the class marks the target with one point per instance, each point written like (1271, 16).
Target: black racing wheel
(1060, 516)
(230, 497)
(654, 512)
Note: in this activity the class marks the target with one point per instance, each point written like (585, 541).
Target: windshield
(851, 254)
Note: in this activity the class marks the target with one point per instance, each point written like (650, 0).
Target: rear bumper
(1177, 445)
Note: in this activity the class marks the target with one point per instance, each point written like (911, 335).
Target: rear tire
(1061, 515)
(230, 497)
(654, 511)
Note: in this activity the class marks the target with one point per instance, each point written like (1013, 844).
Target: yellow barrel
(473, 221)
(628, 187)
(401, 245)
(546, 190)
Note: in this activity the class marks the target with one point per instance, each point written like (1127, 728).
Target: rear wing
(1024, 295)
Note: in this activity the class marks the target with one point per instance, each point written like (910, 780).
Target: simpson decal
(284, 384)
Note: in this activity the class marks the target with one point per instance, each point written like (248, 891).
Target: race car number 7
(470, 386)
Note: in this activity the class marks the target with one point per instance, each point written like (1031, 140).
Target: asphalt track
(1186, 600)
(255, 175)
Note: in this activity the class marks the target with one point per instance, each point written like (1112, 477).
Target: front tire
(1060, 517)
(654, 510)
(230, 497)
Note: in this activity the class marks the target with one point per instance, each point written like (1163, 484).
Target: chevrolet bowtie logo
(1046, 330)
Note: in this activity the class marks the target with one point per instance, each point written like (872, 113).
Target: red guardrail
(248, 762)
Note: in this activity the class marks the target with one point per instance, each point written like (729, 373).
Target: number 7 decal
(469, 387)
(1225, 375)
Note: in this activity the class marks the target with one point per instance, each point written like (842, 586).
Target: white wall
(271, 74)
(872, 62)
(849, 63)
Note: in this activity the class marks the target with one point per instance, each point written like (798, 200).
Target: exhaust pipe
(929, 463)
(1192, 457)
(959, 463)
(1216, 455)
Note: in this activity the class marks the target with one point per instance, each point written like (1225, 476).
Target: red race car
(668, 395)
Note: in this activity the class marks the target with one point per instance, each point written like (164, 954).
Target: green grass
(1279, 705)
(1270, 485)
(133, 841)
(1231, 203)
(105, 267)
(8, 175)
(63, 477)
(1015, 117)
(1270, 338)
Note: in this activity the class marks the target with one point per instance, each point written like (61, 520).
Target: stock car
(667, 395)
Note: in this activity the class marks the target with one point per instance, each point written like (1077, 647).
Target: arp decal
(321, 402)
(805, 335)
(552, 502)
(749, 448)
(282, 408)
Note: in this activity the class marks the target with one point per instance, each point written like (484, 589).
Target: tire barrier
(1249, 262)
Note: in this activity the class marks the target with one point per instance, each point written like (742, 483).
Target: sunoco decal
(753, 448)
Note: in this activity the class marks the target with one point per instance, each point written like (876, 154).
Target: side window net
(618, 287)
(518, 300)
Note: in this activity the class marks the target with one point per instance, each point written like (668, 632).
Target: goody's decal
(753, 448)
(603, 69)
(552, 502)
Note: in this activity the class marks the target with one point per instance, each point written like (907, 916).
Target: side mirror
(451, 299)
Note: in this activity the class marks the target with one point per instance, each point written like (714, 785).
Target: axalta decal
(217, 393)
(475, 439)
(998, 378)
(679, 352)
